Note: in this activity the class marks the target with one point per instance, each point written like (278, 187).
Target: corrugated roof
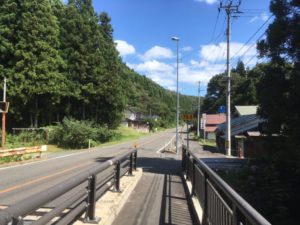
(215, 118)
(243, 110)
(241, 124)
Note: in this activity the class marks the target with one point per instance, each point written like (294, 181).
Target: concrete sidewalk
(159, 197)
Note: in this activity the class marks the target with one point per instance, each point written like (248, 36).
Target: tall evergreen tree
(37, 76)
(112, 100)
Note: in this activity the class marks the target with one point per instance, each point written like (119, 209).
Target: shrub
(72, 133)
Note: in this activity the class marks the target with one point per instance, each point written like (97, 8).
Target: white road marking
(26, 164)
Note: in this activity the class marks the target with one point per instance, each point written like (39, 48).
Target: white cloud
(131, 66)
(215, 53)
(190, 74)
(124, 48)
(157, 52)
(207, 1)
(187, 49)
(154, 65)
(263, 17)
(165, 74)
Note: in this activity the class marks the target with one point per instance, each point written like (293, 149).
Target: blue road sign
(222, 109)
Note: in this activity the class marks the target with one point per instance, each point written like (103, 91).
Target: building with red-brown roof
(209, 123)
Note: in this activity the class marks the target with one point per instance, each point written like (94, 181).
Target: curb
(111, 203)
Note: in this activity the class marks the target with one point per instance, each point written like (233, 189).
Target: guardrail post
(205, 202)
(236, 216)
(91, 202)
(17, 221)
(193, 177)
(117, 176)
(188, 166)
(183, 164)
(130, 164)
(135, 159)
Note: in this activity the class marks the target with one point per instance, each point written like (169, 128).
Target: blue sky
(143, 30)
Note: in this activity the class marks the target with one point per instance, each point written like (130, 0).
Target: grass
(211, 143)
(123, 134)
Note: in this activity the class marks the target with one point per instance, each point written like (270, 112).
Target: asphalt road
(21, 181)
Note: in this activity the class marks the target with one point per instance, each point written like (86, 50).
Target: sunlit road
(21, 181)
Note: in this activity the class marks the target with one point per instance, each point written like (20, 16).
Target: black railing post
(17, 221)
(130, 164)
(135, 159)
(183, 160)
(117, 176)
(194, 163)
(188, 166)
(91, 202)
(205, 202)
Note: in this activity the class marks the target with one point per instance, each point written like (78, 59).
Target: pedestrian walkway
(159, 197)
(203, 151)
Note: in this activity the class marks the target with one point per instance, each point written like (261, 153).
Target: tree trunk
(69, 106)
(83, 111)
(36, 116)
(31, 120)
(57, 117)
(97, 108)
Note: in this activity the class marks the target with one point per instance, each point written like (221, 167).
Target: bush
(72, 133)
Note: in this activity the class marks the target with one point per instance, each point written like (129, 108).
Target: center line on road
(67, 170)
(43, 178)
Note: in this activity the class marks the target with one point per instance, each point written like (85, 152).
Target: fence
(219, 202)
(96, 182)
(23, 151)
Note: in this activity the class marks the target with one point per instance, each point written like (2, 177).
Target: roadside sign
(187, 116)
(222, 109)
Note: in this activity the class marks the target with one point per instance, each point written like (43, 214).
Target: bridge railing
(79, 194)
(219, 202)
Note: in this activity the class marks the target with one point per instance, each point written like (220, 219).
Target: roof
(243, 110)
(210, 129)
(241, 124)
(215, 118)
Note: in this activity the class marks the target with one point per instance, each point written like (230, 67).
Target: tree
(36, 71)
(282, 80)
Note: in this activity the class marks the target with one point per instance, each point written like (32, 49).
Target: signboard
(187, 116)
(202, 124)
(222, 109)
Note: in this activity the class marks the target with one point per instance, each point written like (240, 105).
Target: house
(244, 129)
(209, 123)
(135, 120)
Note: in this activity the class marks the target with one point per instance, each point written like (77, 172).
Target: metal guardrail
(96, 182)
(23, 150)
(219, 202)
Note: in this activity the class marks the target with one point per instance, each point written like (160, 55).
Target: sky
(143, 31)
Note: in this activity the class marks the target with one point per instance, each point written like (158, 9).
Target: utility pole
(229, 9)
(198, 117)
(177, 108)
(4, 114)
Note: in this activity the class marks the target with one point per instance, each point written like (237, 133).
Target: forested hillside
(61, 60)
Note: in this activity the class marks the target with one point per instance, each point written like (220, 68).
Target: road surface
(21, 181)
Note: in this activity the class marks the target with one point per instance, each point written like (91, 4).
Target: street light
(177, 111)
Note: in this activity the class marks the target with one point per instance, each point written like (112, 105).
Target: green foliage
(8, 159)
(270, 188)
(73, 134)
(61, 60)
(244, 90)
